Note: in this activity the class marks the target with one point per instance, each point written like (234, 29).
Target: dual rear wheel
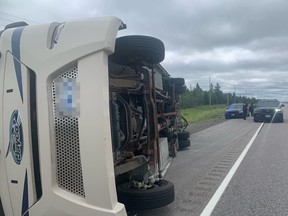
(183, 140)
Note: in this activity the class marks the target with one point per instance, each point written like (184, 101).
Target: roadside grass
(203, 113)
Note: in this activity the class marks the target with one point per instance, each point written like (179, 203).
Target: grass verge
(203, 113)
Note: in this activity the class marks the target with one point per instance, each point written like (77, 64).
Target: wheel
(183, 135)
(184, 143)
(180, 89)
(228, 116)
(177, 81)
(160, 195)
(255, 120)
(129, 49)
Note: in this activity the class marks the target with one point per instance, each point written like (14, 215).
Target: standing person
(245, 110)
(251, 109)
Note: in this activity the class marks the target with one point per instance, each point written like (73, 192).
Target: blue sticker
(67, 94)
(16, 137)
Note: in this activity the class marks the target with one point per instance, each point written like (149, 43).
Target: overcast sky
(240, 44)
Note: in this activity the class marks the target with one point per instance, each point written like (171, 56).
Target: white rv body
(43, 172)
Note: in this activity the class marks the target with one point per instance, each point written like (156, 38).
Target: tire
(177, 81)
(183, 135)
(129, 49)
(180, 89)
(184, 143)
(160, 195)
(255, 120)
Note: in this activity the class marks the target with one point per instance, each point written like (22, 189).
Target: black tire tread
(180, 89)
(177, 81)
(183, 135)
(148, 48)
(184, 143)
(146, 199)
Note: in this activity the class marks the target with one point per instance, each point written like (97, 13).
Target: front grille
(69, 169)
(267, 110)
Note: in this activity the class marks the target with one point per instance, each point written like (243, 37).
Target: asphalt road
(259, 186)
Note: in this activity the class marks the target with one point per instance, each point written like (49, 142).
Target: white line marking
(217, 195)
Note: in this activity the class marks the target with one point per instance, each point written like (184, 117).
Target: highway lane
(260, 185)
(198, 171)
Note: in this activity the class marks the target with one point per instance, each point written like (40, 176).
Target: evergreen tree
(218, 94)
(197, 97)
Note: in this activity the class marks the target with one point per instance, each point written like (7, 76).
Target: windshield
(236, 106)
(268, 103)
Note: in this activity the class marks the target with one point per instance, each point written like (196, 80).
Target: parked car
(268, 111)
(234, 111)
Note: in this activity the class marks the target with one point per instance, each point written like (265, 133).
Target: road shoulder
(196, 127)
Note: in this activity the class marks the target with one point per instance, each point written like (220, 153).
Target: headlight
(240, 111)
(277, 110)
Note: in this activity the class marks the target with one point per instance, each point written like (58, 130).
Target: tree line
(197, 97)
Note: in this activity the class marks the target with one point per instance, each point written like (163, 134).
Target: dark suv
(268, 111)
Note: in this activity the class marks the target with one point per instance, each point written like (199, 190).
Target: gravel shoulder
(196, 127)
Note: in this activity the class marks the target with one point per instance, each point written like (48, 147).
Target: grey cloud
(187, 26)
